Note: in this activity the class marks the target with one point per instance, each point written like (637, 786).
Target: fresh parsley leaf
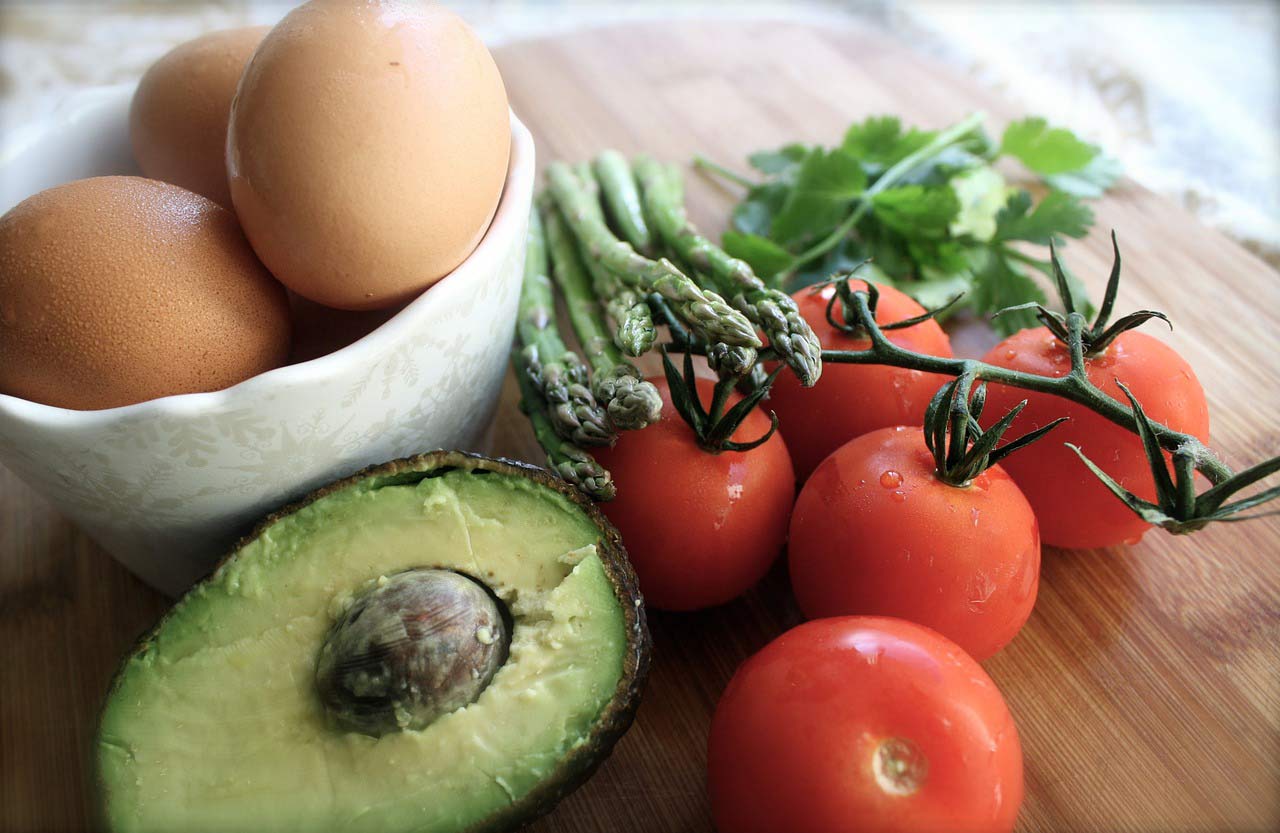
(764, 256)
(879, 142)
(917, 210)
(754, 215)
(890, 249)
(826, 183)
(999, 284)
(945, 222)
(1089, 182)
(1046, 150)
(943, 255)
(982, 194)
(780, 161)
(934, 287)
(849, 255)
(1057, 214)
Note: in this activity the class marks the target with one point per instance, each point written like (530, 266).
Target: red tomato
(850, 400)
(863, 725)
(700, 528)
(1073, 507)
(875, 532)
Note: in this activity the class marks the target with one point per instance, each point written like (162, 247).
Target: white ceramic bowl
(167, 485)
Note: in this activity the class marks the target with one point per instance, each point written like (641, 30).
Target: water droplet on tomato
(1011, 354)
(982, 481)
(973, 515)
(899, 496)
(890, 479)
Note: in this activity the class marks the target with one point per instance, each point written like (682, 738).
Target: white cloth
(1187, 95)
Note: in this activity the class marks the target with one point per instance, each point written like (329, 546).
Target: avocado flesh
(215, 724)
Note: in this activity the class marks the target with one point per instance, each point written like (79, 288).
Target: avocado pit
(409, 649)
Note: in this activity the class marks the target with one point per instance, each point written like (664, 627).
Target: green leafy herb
(880, 142)
(1091, 181)
(764, 256)
(915, 209)
(927, 207)
(1056, 214)
(825, 185)
(1044, 149)
(778, 161)
(999, 283)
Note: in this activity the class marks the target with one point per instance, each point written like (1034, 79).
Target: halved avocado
(439, 644)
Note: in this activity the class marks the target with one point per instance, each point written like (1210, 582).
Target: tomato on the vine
(1074, 508)
(700, 528)
(876, 532)
(850, 400)
(863, 724)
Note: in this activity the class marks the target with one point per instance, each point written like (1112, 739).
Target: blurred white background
(1186, 94)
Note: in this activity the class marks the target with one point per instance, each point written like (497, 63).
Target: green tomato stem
(1074, 386)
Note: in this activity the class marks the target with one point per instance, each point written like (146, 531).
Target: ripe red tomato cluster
(876, 716)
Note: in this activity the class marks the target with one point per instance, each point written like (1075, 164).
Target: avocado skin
(612, 722)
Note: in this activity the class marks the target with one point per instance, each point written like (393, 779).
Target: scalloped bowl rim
(420, 310)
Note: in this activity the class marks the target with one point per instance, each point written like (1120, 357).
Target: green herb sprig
(928, 208)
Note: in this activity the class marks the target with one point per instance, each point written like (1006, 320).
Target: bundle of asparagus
(617, 244)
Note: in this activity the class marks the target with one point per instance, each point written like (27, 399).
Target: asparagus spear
(633, 328)
(631, 402)
(560, 376)
(564, 458)
(622, 198)
(705, 313)
(724, 359)
(772, 310)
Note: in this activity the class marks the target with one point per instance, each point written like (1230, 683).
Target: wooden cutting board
(1146, 686)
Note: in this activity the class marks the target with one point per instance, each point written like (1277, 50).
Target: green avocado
(440, 644)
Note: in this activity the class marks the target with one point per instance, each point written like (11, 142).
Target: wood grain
(1146, 686)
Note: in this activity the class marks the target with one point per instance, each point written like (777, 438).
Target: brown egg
(178, 119)
(118, 289)
(367, 150)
